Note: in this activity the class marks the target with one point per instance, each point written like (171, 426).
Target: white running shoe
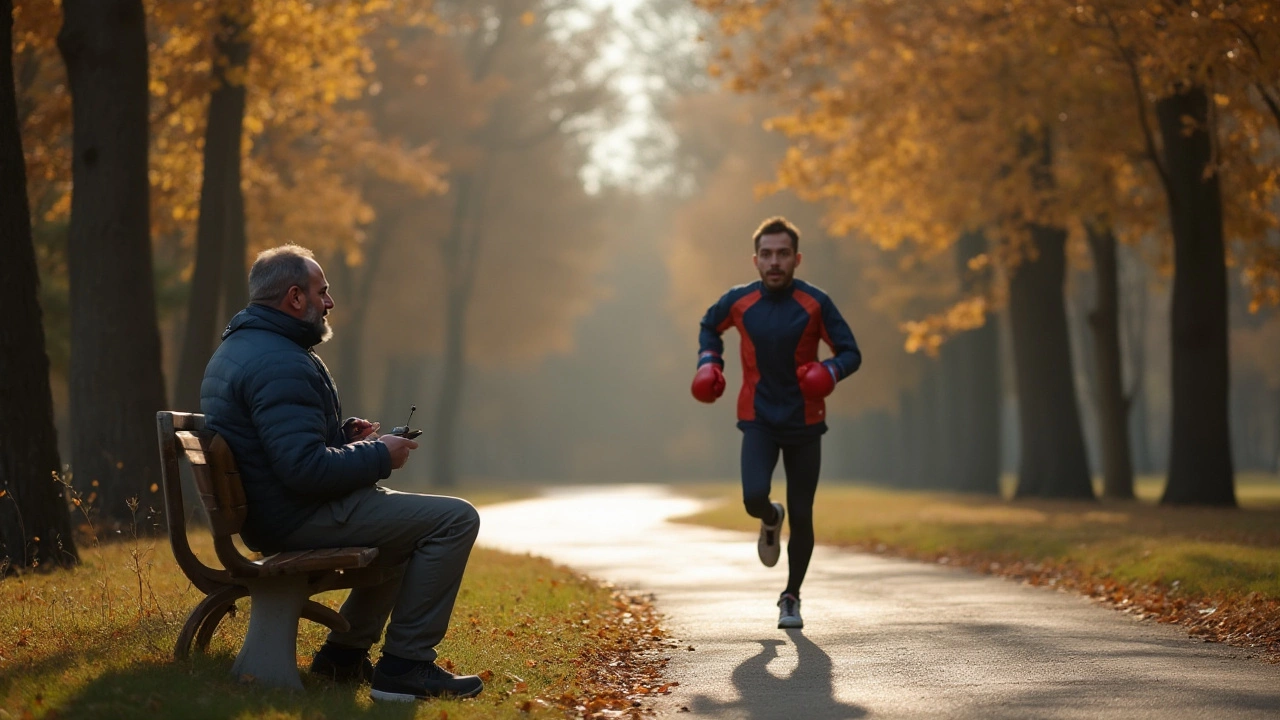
(769, 546)
(789, 612)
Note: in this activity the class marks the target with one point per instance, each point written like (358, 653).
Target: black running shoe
(789, 612)
(425, 680)
(323, 664)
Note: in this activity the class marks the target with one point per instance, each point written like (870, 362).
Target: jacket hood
(261, 317)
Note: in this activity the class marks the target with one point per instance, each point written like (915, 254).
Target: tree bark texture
(116, 382)
(35, 529)
(220, 231)
(1200, 463)
(1052, 461)
(1113, 406)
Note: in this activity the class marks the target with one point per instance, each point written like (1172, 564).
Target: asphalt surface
(883, 638)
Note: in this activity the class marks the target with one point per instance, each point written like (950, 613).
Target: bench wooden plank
(304, 561)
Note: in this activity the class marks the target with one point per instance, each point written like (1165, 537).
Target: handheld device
(404, 430)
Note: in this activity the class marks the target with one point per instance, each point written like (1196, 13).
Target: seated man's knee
(470, 517)
(464, 519)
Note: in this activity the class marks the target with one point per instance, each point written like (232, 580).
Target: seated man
(311, 481)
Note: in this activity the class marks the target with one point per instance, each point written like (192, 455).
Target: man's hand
(399, 448)
(816, 380)
(708, 383)
(357, 429)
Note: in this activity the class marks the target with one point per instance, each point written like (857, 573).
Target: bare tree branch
(1270, 101)
(1142, 104)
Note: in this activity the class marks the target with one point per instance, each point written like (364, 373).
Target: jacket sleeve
(289, 415)
(848, 358)
(710, 344)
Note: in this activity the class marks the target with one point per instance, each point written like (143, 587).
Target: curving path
(883, 638)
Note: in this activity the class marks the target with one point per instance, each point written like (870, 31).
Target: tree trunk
(1113, 406)
(929, 442)
(449, 405)
(357, 288)
(1275, 431)
(1135, 316)
(116, 383)
(1053, 462)
(35, 529)
(460, 254)
(1200, 465)
(235, 275)
(909, 460)
(974, 379)
(220, 232)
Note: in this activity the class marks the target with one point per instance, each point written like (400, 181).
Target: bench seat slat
(301, 561)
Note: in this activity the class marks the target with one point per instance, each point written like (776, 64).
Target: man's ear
(799, 257)
(295, 298)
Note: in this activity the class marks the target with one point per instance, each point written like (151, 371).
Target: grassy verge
(1215, 571)
(97, 642)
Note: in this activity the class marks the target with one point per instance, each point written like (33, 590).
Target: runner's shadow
(808, 692)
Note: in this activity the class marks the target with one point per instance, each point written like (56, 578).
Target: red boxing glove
(708, 383)
(816, 380)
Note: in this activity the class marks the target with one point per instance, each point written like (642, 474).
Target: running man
(781, 406)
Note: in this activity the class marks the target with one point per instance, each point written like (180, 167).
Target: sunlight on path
(883, 638)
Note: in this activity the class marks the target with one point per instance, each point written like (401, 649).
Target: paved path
(883, 638)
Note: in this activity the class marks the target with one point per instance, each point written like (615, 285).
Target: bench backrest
(217, 480)
(218, 483)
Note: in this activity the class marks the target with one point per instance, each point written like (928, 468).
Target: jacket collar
(779, 294)
(261, 317)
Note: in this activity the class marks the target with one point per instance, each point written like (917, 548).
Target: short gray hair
(278, 269)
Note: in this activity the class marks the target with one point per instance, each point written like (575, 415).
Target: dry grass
(97, 641)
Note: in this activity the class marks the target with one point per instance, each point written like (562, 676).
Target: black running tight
(801, 458)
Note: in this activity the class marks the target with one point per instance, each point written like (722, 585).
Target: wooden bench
(279, 587)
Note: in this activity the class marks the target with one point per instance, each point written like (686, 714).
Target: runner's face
(776, 260)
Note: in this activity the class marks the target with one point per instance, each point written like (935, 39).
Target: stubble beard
(781, 282)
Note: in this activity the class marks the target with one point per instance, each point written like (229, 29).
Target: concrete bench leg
(270, 653)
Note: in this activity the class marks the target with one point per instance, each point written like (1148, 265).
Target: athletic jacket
(780, 332)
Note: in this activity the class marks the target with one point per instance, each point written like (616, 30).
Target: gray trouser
(428, 536)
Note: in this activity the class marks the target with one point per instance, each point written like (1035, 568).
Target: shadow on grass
(203, 688)
(808, 692)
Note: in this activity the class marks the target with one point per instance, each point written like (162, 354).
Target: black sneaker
(789, 612)
(323, 664)
(425, 680)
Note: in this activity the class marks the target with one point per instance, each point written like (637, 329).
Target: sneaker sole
(783, 625)
(385, 696)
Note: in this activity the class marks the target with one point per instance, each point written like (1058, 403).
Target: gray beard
(315, 317)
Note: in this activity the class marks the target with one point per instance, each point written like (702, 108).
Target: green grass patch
(97, 642)
(1190, 551)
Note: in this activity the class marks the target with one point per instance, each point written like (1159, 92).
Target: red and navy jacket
(780, 332)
